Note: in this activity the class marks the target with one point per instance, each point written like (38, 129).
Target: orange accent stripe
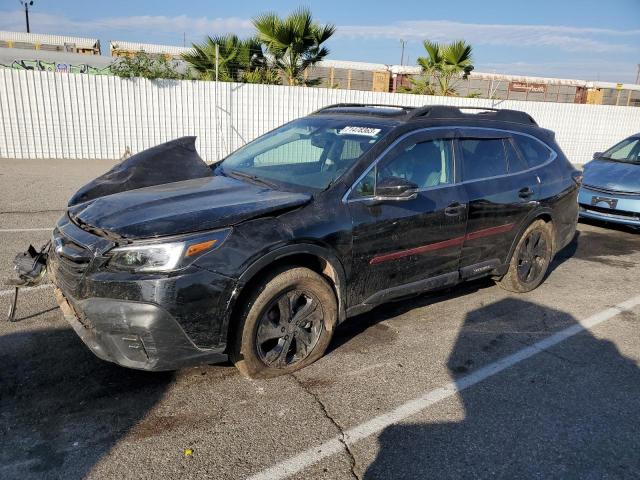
(454, 242)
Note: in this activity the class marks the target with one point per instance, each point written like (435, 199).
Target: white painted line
(18, 230)
(4, 293)
(377, 424)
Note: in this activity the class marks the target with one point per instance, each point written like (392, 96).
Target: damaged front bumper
(133, 334)
(143, 321)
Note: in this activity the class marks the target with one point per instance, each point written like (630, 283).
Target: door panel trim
(487, 232)
(454, 242)
(412, 288)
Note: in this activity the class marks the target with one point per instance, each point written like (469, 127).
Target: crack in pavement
(342, 438)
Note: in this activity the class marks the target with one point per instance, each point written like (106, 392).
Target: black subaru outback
(165, 262)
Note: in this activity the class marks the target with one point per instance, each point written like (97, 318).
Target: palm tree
(238, 60)
(293, 43)
(446, 64)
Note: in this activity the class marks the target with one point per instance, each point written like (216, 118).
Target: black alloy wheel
(286, 323)
(532, 257)
(289, 329)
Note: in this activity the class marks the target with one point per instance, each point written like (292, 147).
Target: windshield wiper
(253, 178)
(619, 160)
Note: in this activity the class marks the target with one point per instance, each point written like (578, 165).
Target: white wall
(54, 115)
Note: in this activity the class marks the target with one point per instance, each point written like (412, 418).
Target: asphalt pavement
(473, 382)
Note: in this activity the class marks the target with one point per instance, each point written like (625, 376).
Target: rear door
(397, 243)
(501, 191)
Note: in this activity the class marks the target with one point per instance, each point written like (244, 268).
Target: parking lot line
(377, 424)
(18, 230)
(4, 293)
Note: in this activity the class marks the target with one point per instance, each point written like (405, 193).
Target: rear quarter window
(514, 159)
(533, 151)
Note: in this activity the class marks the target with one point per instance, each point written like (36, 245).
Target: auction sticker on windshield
(365, 131)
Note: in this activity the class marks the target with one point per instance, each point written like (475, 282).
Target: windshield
(311, 152)
(626, 151)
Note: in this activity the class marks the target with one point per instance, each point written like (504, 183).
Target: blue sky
(593, 40)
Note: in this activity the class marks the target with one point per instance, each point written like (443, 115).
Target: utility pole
(638, 75)
(403, 43)
(27, 4)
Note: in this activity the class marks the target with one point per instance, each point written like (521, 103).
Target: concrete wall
(54, 115)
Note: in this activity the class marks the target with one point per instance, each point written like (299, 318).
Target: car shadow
(563, 413)
(62, 408)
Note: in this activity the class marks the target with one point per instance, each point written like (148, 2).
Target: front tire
(285, 325)
(531, 259)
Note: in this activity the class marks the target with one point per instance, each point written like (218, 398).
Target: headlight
(164, 257)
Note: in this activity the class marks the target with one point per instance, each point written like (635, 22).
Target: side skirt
(407, 289)
(491, 267)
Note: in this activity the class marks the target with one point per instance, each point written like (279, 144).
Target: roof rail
(376, 105)
(449, 111)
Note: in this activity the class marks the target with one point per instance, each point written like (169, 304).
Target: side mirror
(396, 188)
(597, 155)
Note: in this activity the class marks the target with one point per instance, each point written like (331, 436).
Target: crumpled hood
(183, 207)
(172, 161)
(610, 175)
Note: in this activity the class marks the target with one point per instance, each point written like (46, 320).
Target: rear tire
(286, 324)
(530, 260)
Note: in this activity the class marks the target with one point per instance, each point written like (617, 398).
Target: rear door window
(482, 158)
(534, 151)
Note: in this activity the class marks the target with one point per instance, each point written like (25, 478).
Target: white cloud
(562, 37)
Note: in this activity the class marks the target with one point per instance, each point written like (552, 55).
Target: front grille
(69, 261)
(609, 191)
(610, 212)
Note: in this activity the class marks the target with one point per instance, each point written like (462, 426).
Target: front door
(400, 242)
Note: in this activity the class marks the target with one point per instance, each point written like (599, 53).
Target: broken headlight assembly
(164, 256)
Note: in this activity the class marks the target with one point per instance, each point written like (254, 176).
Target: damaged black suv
(165, 261)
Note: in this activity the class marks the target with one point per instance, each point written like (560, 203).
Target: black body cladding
(371, 249)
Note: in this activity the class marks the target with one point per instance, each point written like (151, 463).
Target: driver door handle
(455, 209)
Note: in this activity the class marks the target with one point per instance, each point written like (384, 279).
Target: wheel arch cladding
(313, 257)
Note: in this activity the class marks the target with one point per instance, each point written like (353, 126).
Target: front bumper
(609, 206)
(133, 334)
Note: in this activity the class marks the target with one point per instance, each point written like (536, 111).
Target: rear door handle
(455, 209)
(525, 192)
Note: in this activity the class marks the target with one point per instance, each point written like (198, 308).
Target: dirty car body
(611, 187)
(159, 277)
